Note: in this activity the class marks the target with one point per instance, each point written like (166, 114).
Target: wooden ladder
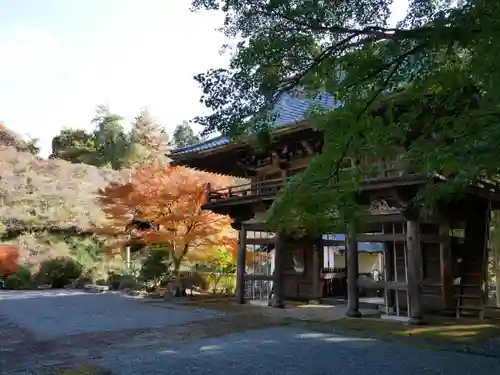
(470, 295)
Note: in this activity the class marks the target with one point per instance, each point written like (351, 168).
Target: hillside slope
(44, 202)
(37, 192)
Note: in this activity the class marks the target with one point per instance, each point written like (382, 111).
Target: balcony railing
(263, 189)
(270, 188)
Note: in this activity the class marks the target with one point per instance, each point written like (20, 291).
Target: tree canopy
(184, 135)
(170, 198)
(110, 145)
(427, 85)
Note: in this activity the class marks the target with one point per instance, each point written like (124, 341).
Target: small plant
(59, 271)
(220, 265)
(157, 266)
(12, 281)
(24, 274)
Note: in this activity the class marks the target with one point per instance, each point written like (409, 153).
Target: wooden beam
(307, 147)
(279, 253)
(316, 272)
(446, 266)
(352, 274)
(414, 271)
(240, 266)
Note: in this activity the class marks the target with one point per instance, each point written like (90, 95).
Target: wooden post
(278, 295)
(240, 266)
(352, 274)
(316, 272)
(207, 192)
(127, 256)
(446, 266)
(414, 271)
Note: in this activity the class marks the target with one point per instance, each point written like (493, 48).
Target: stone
(93, 288)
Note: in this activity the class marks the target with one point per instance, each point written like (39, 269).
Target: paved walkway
(128, 336)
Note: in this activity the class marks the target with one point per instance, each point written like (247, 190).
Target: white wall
(367, 261)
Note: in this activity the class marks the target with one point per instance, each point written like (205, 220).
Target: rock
(174, 289)
(93, 288)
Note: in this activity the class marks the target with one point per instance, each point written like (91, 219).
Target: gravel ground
(52, 314)
(282, 350)
(130, 337)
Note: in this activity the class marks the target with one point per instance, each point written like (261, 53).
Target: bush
(12, 281)
(24, 274)
(194, 281)
(128, 282)
(59, 271)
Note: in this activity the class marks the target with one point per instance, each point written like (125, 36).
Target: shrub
(59, 271)
(24, 274)
(12, 281)
(156, 266)
(194, 281)
(127, 282)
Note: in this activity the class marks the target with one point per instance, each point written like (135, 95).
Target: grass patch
(461, 332)
(71, 370)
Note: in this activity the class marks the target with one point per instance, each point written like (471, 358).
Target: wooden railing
(262, 189)
(270, 188)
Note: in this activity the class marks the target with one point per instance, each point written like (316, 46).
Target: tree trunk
(179, 291)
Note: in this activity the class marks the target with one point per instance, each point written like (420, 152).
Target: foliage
(494, 265)
(110, 145)
(12, 281)
(427, 85)
(24, 275)
(9, 138)
(48, 207)
(184, 136)
(219, 266)
(170, 198)
(45, 193)
(59, 271)
(9, 259)
(157, 265)
(75, 146)
(149, 140)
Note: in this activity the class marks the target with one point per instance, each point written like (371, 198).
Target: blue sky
(59, 59)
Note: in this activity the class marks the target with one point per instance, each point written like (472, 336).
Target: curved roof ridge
(289, 109)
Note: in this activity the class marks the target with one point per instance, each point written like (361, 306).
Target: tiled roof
(289, 111)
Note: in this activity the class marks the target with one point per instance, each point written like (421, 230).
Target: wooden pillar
(278, 295)
(446, 266)
(316, 272)
(352, 274)
(414, 271)
(389, 276)
(240, 266)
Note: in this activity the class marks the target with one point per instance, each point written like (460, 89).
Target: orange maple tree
(170, 199)
(9, 259)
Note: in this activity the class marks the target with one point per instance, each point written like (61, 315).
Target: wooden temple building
(424, 262)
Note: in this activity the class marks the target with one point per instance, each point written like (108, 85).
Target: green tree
(184, 135)
(75, 146)
(428, 84)
(157, 265)
(111, 141)
(219, 266)
(33, 145)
